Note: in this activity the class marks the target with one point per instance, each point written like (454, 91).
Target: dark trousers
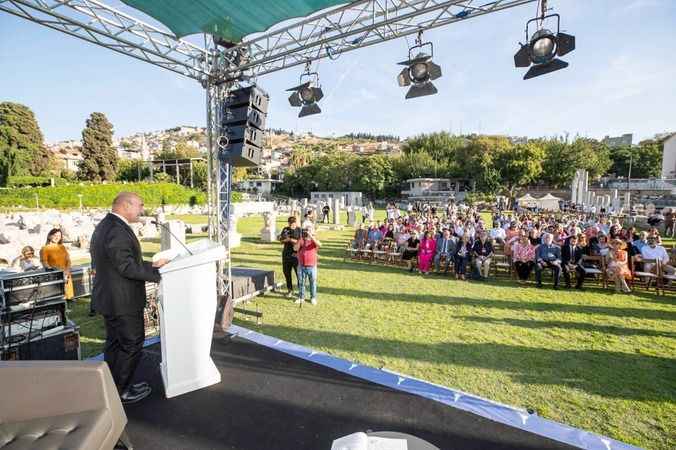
(124, 343)
(579, 276)
(555, 268)
(287, 266)
(461, 265)
(523, 269)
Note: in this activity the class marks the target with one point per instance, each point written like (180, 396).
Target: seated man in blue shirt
(374, 237)
(548, 255)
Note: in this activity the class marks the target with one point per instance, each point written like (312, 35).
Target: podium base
(208, 377)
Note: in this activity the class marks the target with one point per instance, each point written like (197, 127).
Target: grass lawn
(592, 359)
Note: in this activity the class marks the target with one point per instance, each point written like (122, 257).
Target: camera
(305, 234)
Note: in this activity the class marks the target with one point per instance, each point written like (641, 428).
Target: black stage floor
(269, 400)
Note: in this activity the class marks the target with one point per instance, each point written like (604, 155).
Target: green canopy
(230, 19)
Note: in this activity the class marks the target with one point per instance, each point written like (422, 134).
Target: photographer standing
(289, 237)
(307, 247)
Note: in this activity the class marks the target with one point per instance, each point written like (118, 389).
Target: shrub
(30, 181)
(99, 195)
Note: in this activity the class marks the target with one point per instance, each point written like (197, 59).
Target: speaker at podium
(187, 299)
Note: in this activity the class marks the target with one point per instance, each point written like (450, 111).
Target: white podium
(187, 305)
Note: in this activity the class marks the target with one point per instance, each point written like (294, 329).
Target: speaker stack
(244, 115)
(33, 320)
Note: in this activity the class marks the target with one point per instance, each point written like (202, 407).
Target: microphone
(155, 222)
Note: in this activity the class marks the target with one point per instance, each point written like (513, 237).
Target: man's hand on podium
(160, 262)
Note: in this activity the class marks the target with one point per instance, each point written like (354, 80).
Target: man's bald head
(129, 205)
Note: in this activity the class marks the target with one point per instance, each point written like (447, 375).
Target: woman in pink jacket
(428, 247)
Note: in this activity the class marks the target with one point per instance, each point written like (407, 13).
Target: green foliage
(31, 181)
(99, 195)
(646, 160)
(520, 164)
(162, 177)
(132, 170)
(99, 156)
(22, 151)
(180, 150)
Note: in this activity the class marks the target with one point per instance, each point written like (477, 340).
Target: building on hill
(265, 186)
(619, 141)
(436, 190)
(67, 154)
(669, 156)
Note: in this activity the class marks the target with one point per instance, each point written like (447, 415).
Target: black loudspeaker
(252, 96)
(54, 345)
(244, 117)
(244, 155)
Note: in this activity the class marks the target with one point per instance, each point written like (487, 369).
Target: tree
(477, 161)
(180, 151)
(99, 161)
(22, 151)
(519, 165)
(646, 160)
(372, 175)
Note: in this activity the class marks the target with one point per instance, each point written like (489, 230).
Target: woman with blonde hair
(55, 256)
(618, 267)
(27, 260)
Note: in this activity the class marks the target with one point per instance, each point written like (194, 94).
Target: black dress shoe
(132, 395)
(140, 385)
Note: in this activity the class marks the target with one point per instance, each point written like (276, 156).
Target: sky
(621, 79)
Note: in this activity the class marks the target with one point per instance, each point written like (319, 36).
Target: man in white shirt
(654, 251)
(309, 221)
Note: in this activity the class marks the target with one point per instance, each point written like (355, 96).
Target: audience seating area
(502, 266)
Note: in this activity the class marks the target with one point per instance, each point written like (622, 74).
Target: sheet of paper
(379, 443)
(355, 441)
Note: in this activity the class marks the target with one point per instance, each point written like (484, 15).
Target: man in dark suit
(445, 249)
(571, 257)
(119, 293)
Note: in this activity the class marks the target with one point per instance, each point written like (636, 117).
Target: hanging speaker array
(244, 116)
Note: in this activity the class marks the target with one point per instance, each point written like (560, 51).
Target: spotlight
(307, 94)
(419, 71)
(542, 49)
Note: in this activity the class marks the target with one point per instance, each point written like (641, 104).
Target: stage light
(542, 49)
(307, 94)
(419, 71)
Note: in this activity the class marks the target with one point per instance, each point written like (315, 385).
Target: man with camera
(289, 236)
(307, 247)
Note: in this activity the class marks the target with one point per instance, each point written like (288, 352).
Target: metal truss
(103, 25)
(219, 184)
(356, 25)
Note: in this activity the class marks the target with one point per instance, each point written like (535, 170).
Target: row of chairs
(502, 266)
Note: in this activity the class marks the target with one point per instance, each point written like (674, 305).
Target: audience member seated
(445, 249)
(482, 251)
(655, 251)
(374, 237)
(618, 268)
(571, 261)
(360, 237)
(463, 253)
(27, 260)
(410, 254)
(426, 253)
(548, 255)
(523, 255)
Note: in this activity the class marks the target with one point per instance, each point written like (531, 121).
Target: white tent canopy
(549, 202)
(527, 201)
